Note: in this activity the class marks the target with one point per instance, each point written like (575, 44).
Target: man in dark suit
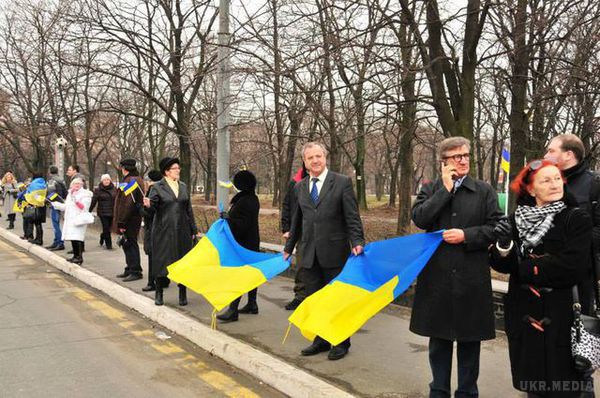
(327, 227)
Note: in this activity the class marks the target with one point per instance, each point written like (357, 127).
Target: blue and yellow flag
(54, 197)
(221, 270)
(19, 206)
(129, 187)
(35, 194)
(505, 162)
(367, 284)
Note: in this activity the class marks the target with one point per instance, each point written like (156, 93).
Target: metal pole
(223, 149)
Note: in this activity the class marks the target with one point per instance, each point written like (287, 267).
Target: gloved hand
(503, 232)
(80, 205)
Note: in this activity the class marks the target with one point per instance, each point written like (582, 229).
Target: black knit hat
(167, 162)
(244, 181)
(127, 164)
(155, 175)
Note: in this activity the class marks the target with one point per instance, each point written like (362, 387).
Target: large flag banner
(35, 194)
(221, 270)
(505, 162)
(367, 284)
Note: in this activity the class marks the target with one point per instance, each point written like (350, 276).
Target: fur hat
(105, 177)
(244, 181)
(155, 175)
(167, 162)
(128, 164)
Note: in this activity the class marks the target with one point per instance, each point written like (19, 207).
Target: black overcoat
(173, 225)
(453, 297)
(563, 259)
(243, 220)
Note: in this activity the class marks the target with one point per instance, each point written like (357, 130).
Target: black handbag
(585, 338)
(29, 213)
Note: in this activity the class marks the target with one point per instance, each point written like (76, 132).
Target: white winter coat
(70, 231)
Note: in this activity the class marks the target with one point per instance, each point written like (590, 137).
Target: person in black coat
(154, 176)
(327, 227)
(545, 248)
(104, 196)
(173, 225)
(243, 222)
(453, 296)
(290, 201)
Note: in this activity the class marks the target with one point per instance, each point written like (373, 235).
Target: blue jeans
(440, 360)
(55, 216)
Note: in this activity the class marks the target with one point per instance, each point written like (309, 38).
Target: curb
(272, 371)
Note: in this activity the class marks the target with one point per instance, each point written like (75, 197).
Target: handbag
(585, 338)
(83, 218)
(29, 213)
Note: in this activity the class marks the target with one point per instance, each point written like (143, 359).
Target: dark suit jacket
(329, 228)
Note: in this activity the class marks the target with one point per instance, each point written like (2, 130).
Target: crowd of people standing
(548, 247)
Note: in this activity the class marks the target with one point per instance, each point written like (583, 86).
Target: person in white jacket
(77, 217)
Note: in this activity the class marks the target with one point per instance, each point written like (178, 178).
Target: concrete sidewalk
(386, 360)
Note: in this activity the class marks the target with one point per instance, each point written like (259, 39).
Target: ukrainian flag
(130, 187)
(221, 270)
(54, 196)
(505, 162)
(35, 194)
(19, 206)
(367, 284)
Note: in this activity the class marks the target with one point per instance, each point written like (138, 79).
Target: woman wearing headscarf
(243, 222)
(104, 196)
(9, 194)
(545, 248)
(75, 207)
(173, 225)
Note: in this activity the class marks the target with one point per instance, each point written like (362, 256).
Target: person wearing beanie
(154, 176)
(56, 184)
(243, 222)
(287, 210)
(104, 196)
(127, 220)
(173, 225)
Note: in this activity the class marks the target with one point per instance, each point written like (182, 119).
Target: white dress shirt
(319, 183)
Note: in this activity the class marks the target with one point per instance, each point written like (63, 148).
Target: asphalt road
(59, 338)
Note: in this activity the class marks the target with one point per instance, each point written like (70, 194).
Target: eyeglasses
(175, 168)
(535, 164)
(457, 158)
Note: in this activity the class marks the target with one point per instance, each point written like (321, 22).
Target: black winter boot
(11, 221)
(182, 295)
(158, 295)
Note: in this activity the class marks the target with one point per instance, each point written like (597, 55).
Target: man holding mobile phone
(453, 297)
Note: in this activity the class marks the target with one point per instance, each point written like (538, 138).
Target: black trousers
(440, 360)
(105, 235)
(132, 256)
(251, 298)
(317, 277)
(27, 228)
(299, 285)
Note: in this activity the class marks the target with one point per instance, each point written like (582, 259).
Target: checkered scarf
(534, 222)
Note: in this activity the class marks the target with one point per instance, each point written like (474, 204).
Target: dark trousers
(39, 231)
(105, 235)
(440, 360)
(299, 285)
(151, 281)
(315, 278)
(132, 256)
(251, 298)
(27, 228)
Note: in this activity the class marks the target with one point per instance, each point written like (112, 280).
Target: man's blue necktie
(314, 192)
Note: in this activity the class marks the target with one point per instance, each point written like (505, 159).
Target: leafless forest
(378, 81)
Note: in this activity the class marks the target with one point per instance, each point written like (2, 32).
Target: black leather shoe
(182, 295)
(250, 308)
(228, 316)
(123, 275)
(76, 260)
(149, 288)
(52, 246)
(132, 277)
(292, 305)
(337, 352)
(315, 348)
(158, 297)
(57, 248)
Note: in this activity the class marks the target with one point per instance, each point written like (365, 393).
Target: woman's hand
(146, 202)
(79, 205)
(503, 232)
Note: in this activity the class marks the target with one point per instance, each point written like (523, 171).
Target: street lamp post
(223, 150)
(59, 155)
